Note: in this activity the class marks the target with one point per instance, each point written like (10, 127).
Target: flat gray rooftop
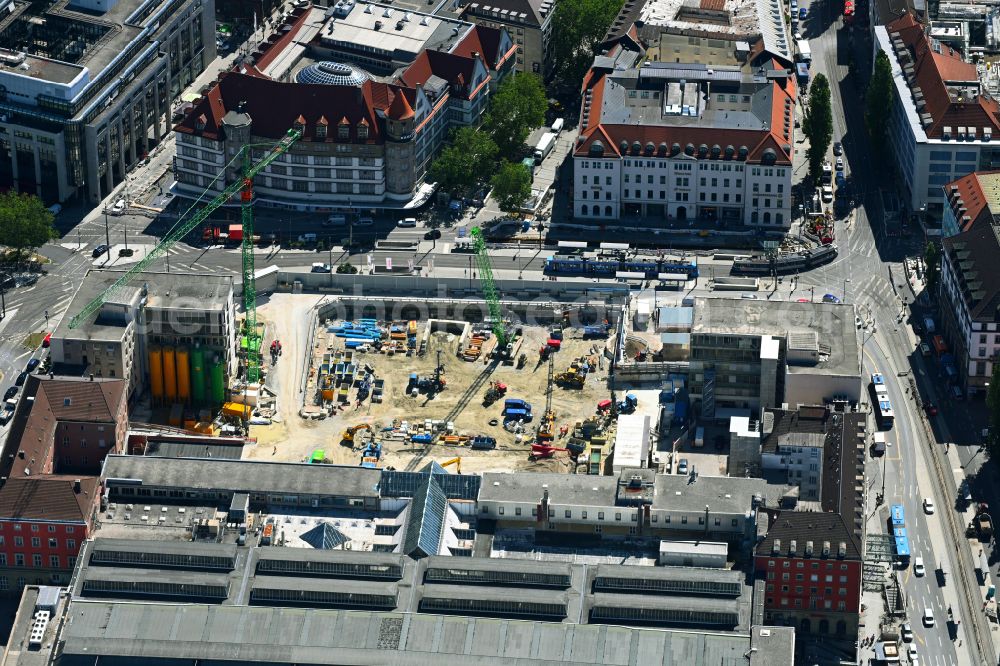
(671, 573)
(495, 564)
(722, 494)
(339, 556)
(184, 291)
(262, 635)
(323, 585)
(179, 548)
(833, 324)
(245, 476)
(563, 488)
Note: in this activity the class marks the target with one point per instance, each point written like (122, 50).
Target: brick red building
(811, 564)
(61, 433)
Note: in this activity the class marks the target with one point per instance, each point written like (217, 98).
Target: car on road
(838, 148)
(749, 297)
(118, 207)
(925, 349)
(433, 234)
(407, 222)
(830, 298)
(930, 408)
(803, 13)
(803, 300)
(21, 378)
(364, 222)
(797, 35)
(906, 632)
(928, 617)
(911, 653)
(10, 392)
(918, 566)
(857, 322)
(839, 164)
(928, 505)
(99, 250)
(321, 268)
(827, 194)
(682, 466)
(32, 364)
(47, 340)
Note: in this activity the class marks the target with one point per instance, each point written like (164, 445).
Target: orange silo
(169, 375)
(183, 375)
(156, 373)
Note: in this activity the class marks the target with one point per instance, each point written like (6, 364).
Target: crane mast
(489, 288)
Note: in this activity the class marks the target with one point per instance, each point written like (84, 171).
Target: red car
(47, 340)
(930, 408)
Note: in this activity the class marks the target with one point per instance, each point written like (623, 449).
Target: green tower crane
(489, 288)
(191, 219)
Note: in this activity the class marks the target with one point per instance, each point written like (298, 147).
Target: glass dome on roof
(332, 73)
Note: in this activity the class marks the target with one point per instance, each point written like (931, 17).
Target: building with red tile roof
(60, 434)
(369, 86)
(696, 138)
(530, 20)
(944, 123)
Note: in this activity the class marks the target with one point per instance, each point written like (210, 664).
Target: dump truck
(594, 463)
(496, 391)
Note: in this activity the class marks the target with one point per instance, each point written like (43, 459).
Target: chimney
(91, 376)
(76, 486)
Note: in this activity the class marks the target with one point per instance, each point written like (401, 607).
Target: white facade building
(943, 124)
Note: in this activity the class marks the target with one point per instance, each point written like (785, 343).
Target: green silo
(218, 373)
(198, 376)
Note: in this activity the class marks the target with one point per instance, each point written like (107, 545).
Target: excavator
(347, 439)
(457, 462)
(496, 391)
(539, 451)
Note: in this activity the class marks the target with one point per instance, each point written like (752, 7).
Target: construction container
(183, 375)
(156, 373)
(218, 380)
(169, 374)
(198, 376)
(236, 410)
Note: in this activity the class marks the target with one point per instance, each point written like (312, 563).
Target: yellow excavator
(347, 439)
(457, 462)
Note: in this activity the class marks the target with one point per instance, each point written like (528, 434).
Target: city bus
(884, 413)
(897, 529)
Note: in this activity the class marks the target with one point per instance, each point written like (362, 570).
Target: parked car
(32, 364)
(99, 250)
(930, 408)
(838, 148)
(21, 378)
(407, 222)
(321, 268)
(839, 164)
(803, 13)
(906, 632)
(925, 349)
(47, 340)
(10, 392)
(433, 234)
(928, 505)
(830, 298)
(682, 466)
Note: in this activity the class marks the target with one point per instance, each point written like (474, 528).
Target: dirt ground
(294, 438)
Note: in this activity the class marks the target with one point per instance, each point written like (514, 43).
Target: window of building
(36, 561)
(584, 515)
(53, 543)
(618, 516)
(18, 559)
(18, 541)
(500, 511)
(517, 511)
(34, 527)
(54, 561)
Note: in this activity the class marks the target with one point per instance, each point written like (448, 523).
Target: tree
(518, 105)
(577, 29)
(932, 262)
(25, 222)
(879, 100)
(818, 124)
(992, 442)
(511, 186)
(462, 165)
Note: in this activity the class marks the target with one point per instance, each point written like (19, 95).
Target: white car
(918, 566)
(928, 617)
(928, 505)
(840, 164)
(911, 653)
(407, 222)
(118, 207)
(906, 631)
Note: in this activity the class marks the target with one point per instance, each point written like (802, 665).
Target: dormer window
(343, 129)
(363, 129)
(321, 128)
(300, 124)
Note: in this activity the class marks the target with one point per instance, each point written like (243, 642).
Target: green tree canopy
(932, 261)
(466, 162)
(511, 186)
(818, 124)
(578, 27)
(25, 222)
(518, 106)
(879, 100)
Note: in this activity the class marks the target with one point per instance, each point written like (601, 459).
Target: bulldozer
(573, 377)
(347, 439)
(496, 391)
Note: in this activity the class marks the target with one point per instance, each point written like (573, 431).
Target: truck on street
(545, 146)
